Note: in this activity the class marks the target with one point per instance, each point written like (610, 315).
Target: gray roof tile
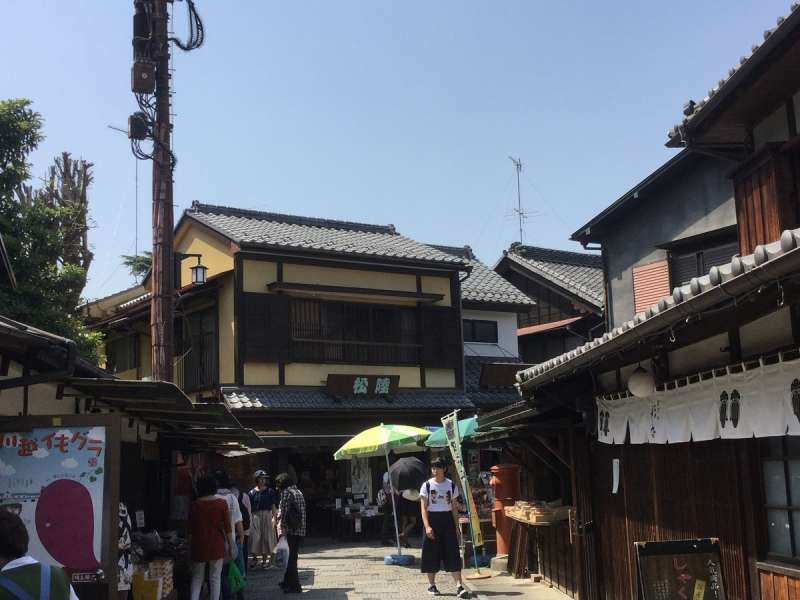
(579, 273)
(316, 399)
(483, 284)
(686, 295)
(275, 230)
(758, 52)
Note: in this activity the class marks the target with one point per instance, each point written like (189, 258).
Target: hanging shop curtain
(758, 402)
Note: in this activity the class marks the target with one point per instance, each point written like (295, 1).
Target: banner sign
(52, 477)
(450, 424)
(763, 401)
(362, 386)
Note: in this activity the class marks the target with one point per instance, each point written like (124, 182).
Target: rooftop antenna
(521, 214)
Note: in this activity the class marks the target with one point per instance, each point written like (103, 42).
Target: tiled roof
(316, 399)
(741, 276)
(483, 397)
(484, 285)
(578, 273)
(273, 230)
(737, 73)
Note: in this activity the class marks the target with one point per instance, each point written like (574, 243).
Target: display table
(345, 526)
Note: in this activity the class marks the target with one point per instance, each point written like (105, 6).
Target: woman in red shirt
(211, 538)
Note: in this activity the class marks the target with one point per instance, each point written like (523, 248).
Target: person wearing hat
(439, 506)
(264, 501)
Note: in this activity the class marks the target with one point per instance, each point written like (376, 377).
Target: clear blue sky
(384, 112)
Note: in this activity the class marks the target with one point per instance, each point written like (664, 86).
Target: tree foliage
(138, 264)
(45, 231)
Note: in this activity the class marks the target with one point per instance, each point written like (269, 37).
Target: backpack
(244, 511)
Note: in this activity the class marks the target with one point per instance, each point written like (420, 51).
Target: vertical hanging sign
(450, 424)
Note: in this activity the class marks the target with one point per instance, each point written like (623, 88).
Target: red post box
(505, 485)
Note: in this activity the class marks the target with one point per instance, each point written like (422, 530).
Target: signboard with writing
(362, 386)
(680, 569)
(53, 478)
(450, 424)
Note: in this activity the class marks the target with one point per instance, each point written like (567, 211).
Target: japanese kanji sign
(53, 478)
(363, 386)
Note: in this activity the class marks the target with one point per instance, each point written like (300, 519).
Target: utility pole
(150, 83)
(520, 213)
(162, 277)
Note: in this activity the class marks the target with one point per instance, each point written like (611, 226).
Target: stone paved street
(341, 571)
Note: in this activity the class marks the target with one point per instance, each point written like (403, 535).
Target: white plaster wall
(766, 334)
(506, 334)
(774, 128)
(700, 356)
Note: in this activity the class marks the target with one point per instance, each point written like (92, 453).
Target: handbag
(236, 580)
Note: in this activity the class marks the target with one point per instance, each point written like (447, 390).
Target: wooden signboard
(680, 569)
(363, 386)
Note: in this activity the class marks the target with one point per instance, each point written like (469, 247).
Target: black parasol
(408, 473)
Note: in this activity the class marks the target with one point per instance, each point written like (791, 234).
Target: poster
(450, 424)
(53, 478)
(360, 476)
(680, 569)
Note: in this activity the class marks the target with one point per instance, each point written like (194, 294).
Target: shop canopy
(466, 430)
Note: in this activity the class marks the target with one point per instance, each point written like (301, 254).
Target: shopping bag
(236, 580)
(282, 554)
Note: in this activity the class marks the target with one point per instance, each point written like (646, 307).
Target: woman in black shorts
(440, 517)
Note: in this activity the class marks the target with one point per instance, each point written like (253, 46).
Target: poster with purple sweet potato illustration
(53, 478)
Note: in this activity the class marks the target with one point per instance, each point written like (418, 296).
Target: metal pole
(162, 280)
(394, 505)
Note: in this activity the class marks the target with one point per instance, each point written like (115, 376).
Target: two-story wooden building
(308, 329)
(686, 412)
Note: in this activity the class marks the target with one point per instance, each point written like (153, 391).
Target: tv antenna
(520, 213)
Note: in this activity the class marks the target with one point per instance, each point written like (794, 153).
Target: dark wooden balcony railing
(376, 353)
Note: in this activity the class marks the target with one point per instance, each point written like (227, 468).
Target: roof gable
(778, 44)
(577, 273)
(483, 285)
(288, 232)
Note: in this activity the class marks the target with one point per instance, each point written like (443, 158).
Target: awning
(162, 403)
(223, 439)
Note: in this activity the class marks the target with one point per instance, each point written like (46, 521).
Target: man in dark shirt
(292, 524)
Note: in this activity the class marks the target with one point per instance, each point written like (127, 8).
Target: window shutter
(683, 267)
(650, 284)
(265, 331)
(719, 255)
(278, 328)
(441, 337)
(254, 327)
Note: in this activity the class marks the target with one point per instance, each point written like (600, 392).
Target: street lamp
(198, 271)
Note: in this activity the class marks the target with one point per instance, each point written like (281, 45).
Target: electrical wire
(197, 33)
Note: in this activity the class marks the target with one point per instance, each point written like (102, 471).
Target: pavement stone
(355, 571)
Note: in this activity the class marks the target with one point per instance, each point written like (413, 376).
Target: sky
(380, 112)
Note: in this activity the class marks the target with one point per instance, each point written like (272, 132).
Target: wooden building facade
(709, 445)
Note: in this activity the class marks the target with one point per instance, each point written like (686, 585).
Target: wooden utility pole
(162, 277)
